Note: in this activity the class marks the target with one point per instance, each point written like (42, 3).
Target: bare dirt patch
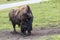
(36, 33)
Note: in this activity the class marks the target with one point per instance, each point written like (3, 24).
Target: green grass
(11, 1)
(4, 23)
(50, 37)
(45, 13)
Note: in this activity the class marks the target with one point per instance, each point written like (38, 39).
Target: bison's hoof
(14, 32)
(28, 34)
(23, 34)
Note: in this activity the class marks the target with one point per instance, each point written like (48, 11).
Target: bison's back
(20, 14)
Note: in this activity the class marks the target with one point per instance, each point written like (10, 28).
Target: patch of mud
(36, 33)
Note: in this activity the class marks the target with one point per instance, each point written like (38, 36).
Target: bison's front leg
(29, 29)
(30, 20)
(23, 30)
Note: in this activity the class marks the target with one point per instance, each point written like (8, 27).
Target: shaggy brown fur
(23, 17)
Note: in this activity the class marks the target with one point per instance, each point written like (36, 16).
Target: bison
(22, 16)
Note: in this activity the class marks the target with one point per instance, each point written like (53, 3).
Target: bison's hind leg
(14, 28)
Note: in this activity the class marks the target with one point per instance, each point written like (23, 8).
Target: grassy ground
(50, 37)
(11, 1)
(45, 14)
